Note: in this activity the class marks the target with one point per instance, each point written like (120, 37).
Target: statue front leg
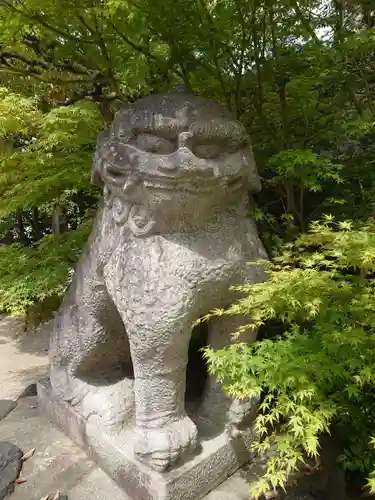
(164, 434)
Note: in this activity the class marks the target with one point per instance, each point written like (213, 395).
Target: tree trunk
(58, 219)
(37, 228)
(21, 229)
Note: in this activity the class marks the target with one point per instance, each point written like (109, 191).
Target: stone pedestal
(219, 457)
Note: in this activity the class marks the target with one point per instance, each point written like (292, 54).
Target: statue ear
(97, 168)
(120, 210)
(253, 176)
(141, 222)
(96, 178)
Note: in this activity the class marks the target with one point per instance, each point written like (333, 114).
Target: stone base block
(218, 459)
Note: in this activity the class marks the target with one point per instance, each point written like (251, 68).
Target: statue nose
(184, 140)
(189, 163)
(186, 159)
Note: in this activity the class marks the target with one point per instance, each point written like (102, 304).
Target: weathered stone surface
(236, 487)
(170, 238)
(10, 467)
(57, 464)
(218, 458)
(6, 406)
(96, 486)
(30, 390)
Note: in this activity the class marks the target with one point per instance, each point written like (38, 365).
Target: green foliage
(19, 115)
(30, 275)
(305, 167)
(321, 368)
(44, 154)
(70, 128)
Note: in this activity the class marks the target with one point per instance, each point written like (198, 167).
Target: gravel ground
(23, 356)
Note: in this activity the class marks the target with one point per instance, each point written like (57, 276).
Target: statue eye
(153, 144)
(208, 150)
(232, 147)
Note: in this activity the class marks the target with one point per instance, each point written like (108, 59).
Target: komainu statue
(171, 236)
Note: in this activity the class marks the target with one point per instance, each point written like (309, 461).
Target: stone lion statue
(170, 238)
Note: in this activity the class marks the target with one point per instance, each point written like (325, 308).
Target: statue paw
(112, 404)
(161, 447)
(242, 410)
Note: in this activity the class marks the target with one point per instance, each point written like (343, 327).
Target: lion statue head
(170, 159)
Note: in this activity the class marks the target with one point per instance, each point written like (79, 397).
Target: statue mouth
(180, 170)
(194, 179)
(193, 182)
(195, 185)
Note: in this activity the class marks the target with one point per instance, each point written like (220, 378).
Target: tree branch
(7, 56)
(32, 63)
(136, 47)
(40, 19)
(95, 95)
(212, 43)
(305, 23)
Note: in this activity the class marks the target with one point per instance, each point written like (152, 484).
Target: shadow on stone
(6, 406)
(29, 391)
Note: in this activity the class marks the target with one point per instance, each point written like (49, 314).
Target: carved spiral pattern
(217, 219)
(214, 220)
(211, 223)
(120, 210)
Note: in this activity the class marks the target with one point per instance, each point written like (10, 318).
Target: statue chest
(172, 267)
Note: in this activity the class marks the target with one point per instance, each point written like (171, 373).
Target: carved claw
(160, 448)
(242, 411)
(110, 404)
(233, 431)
